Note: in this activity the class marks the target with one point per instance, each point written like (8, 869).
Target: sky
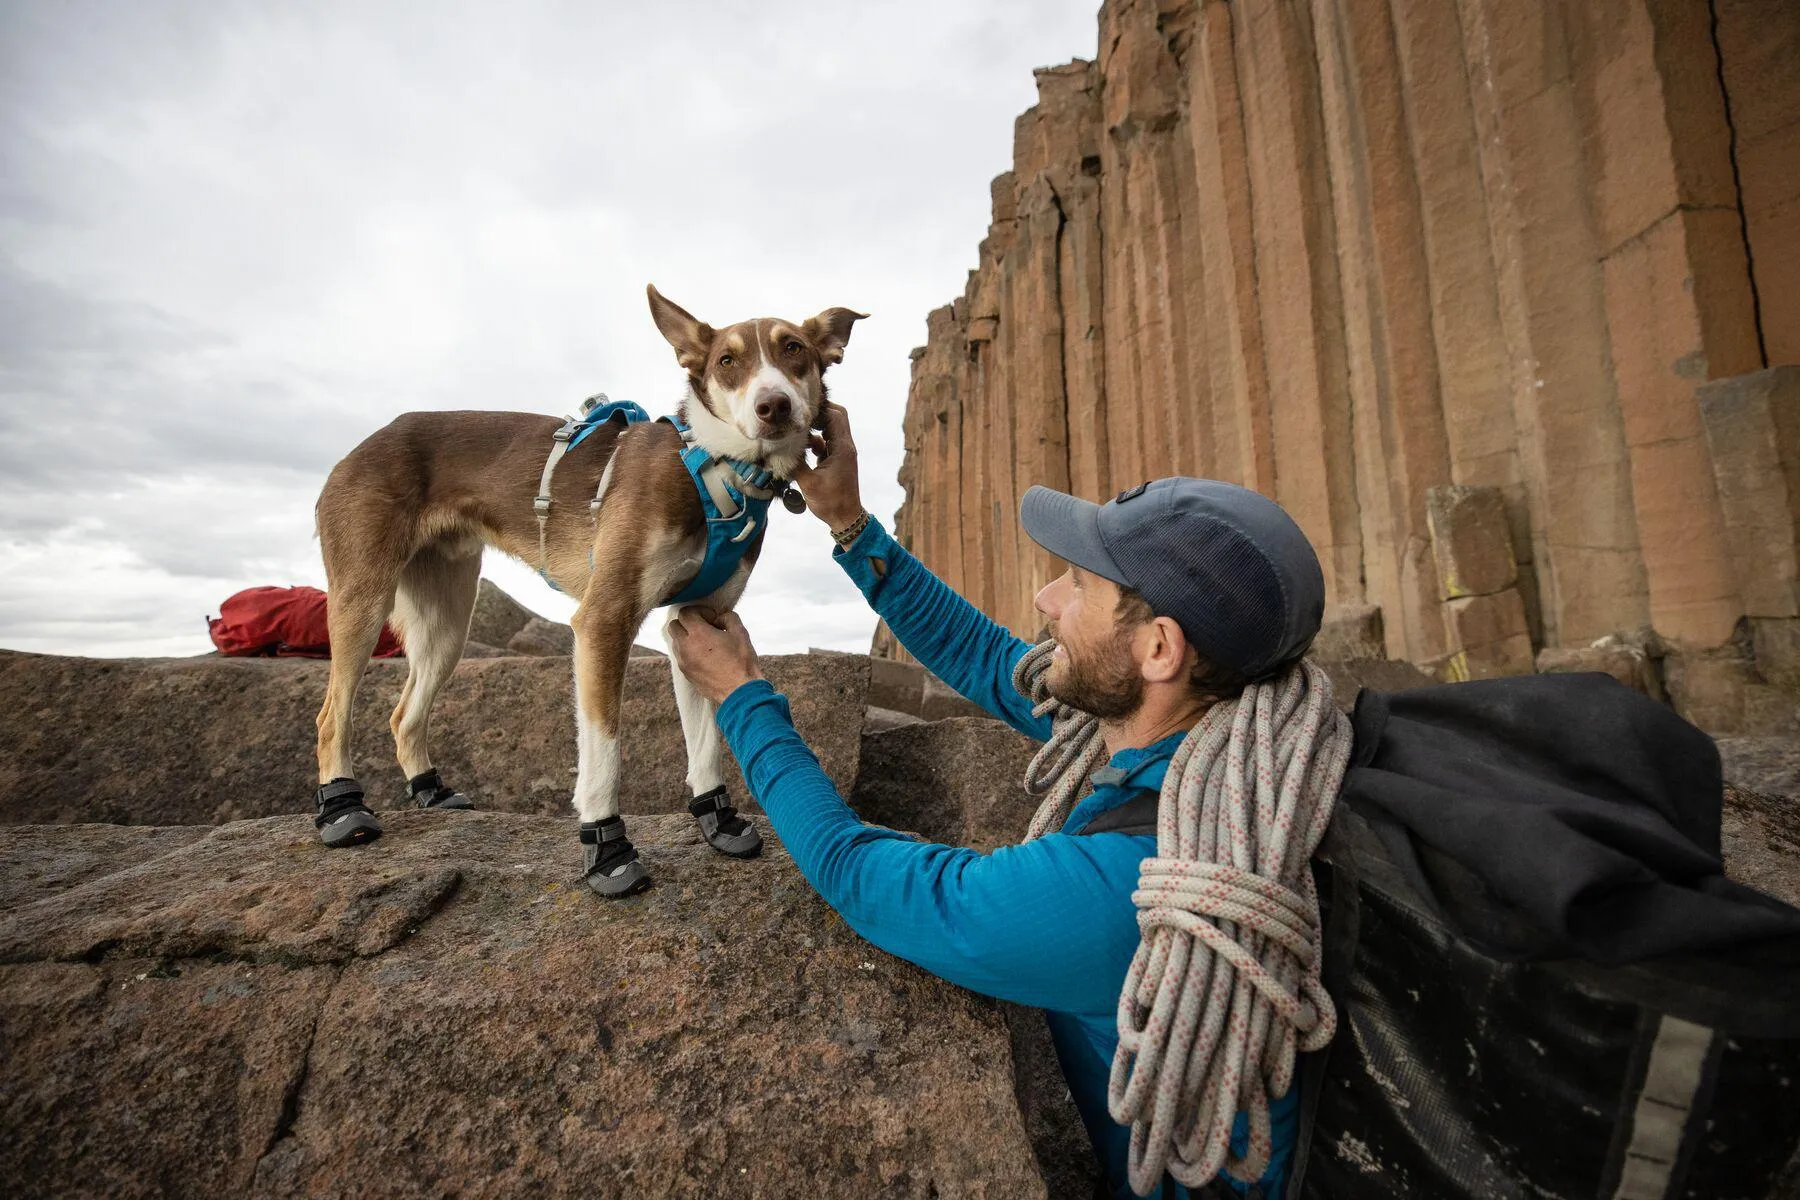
(237, 238)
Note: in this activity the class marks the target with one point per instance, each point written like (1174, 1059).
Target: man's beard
(1104, 681)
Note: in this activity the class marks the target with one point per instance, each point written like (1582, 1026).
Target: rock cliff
(1483, 292)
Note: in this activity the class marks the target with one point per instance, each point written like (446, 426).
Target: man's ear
(1168, 652)
(691, 338)
(830, 332)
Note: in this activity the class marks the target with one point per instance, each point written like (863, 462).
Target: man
(1178, 594)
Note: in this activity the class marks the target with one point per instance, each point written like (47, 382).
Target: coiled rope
(1224, 987)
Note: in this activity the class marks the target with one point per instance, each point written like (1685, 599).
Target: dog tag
(792, 500)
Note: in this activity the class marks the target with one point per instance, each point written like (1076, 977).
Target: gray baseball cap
(1225, 563)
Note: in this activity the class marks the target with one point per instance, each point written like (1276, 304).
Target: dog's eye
(792, 347)
(725, 360)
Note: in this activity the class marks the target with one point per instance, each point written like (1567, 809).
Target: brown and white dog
(403, 519)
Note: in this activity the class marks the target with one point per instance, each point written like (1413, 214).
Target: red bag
(288, 622)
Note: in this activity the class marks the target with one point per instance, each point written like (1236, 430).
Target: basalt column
(1360, 253)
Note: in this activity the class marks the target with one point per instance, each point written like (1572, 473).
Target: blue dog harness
(602, 411)
(733, 493)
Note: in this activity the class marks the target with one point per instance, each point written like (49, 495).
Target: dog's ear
(691, 338)
(830, 331)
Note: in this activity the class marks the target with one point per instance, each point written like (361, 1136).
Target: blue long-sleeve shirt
(1048, 923)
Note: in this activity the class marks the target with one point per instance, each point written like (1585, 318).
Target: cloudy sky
(235, 238)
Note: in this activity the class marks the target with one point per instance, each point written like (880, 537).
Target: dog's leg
(609, 614)
(355, 616)
(356, 606)
(720, 824)
(431, 612)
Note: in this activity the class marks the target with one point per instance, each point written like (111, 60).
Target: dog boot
(428, 791)
(723, 829)
(343, 819)
(611, 861)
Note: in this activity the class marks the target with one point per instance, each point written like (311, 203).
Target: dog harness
(733, 493)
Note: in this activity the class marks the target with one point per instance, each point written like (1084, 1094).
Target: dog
(623, 524)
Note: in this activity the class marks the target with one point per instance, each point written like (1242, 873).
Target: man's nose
(773, 406)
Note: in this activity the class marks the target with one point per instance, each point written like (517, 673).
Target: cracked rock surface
(238, 1011)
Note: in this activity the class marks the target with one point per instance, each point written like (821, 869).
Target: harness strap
(1136, 815)
(609, 829)
(712, 476)
(336, 798)
(596, 411)
(541, 504)
(733, 492)
(600, 493)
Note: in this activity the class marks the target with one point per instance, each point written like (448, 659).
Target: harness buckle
(564, 433)
(541, 506)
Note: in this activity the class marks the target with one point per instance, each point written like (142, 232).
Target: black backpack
(1546, 986)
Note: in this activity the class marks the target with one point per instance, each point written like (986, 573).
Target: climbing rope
(1224, 987)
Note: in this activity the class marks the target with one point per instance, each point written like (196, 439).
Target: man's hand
(831, 488)
(713, 651)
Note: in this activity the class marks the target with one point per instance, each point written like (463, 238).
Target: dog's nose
(774, 407)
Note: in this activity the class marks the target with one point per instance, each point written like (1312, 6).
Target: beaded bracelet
(843, 537)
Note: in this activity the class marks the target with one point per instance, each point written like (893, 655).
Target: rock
(1347, 254)
(29, 873)
(238, 1010)
(497, 615)
(878, 719)
(1065, 1157)
(207, 740)
(1768, 764)
(544, 638)
(1471, 540)
(1722, 691)
(1775, 645)
(1489, 636)
(1761, 839)
(938, 701)
(1627, 662)
(899, 686)
(1381, 675)
(1349, 633)
(1752, 425)
(151, 1078)
(908, 688)
(483, 650)
(958, 781)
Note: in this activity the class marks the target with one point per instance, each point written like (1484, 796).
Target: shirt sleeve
(1049, 923)
(954, 640)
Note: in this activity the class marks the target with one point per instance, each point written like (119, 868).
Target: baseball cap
(1225, 563)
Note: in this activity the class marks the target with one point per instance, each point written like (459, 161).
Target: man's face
(1094, 668)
